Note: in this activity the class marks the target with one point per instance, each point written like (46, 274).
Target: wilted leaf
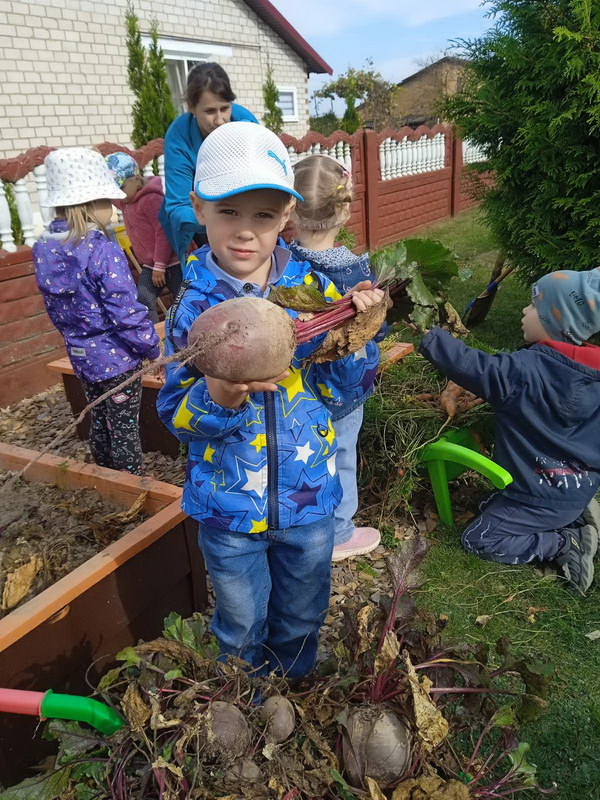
(429, 787)
(129, 515)
(375, 792)
(483, 619)
(298, 298)
(365, 634)
(46, 787)
(73, 739)
(134, 708)
(504, 717)
(431, 725)
(390, 650)
(403, 563)
(593, 635)
(107, 680)
(160, 763)
(521, 766)
(452, 321)
(19, 582)
(129, 656)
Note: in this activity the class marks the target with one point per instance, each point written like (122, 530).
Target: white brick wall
(63, 65)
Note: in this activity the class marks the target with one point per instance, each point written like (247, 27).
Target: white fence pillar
(7, 241)
(39, 174)
(25, 211)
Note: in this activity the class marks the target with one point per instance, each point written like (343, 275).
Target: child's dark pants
(115, 428)
(148, 292)
(511, 532)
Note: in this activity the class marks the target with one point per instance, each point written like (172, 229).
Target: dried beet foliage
(199, 728)
(46, 532)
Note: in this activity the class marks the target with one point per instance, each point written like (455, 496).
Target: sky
(396, 34)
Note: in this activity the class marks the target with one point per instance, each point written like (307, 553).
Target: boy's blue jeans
(272, 593)
(346, 433)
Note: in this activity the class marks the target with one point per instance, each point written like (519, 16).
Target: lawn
(537, 614)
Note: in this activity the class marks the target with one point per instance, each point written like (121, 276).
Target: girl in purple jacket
(91, 299)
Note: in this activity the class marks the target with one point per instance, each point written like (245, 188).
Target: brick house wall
(63, 65)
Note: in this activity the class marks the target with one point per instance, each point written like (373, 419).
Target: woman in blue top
(210, 101)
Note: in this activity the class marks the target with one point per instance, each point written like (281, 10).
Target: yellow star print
(293, 383)
(186, 383)
(183, 417)
(332, 292)
(208, 453)
(330, 434)
(258, 526)
(259, 441)
(325, 390)
(215, 482)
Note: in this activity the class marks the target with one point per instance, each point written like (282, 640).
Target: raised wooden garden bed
(154, 435)
(120, 595)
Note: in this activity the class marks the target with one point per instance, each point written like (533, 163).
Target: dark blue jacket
(182, 142)
(547, 410)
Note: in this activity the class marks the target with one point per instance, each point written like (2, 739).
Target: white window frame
(187, 50)
(294, 92)
(184, 49)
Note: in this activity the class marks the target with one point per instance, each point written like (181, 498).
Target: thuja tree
(153, 110)
(273, 116)
(531, 99)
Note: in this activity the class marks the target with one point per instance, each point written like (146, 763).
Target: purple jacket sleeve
(118, 296)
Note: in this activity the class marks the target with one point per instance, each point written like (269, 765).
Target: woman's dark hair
(207, 77)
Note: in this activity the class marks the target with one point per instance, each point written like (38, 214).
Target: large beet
(244, 339)
(280, 716)
(376, 745)
(226, 731)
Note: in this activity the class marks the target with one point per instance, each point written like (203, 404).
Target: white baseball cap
(78, 175)
(239, 157)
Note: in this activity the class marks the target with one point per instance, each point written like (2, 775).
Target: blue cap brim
(250, 188)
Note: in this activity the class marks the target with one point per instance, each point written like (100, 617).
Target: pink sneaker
(362, 541)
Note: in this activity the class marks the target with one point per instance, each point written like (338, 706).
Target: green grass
(468, 237)
(565, 741)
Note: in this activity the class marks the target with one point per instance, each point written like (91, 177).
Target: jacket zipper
(272, 462)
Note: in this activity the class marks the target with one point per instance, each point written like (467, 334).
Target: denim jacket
(345, 270)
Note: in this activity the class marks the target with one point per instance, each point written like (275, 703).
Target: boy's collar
(279, 261)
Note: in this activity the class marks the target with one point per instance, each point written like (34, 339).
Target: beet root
(280, 716)
(376, 745)
(244, 339)
(226, 731)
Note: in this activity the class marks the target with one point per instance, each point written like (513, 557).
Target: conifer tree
(531, 100)
(273, 116)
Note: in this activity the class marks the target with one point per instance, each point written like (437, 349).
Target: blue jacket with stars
(269, 464)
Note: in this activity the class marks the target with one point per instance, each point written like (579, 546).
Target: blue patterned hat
(122, 166)
(568, 304)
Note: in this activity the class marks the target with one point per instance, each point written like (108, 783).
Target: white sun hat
(78, 175)
(239, 157)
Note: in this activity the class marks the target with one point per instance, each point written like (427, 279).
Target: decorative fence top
(402, 153)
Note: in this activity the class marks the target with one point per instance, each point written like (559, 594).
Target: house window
(180, 56)
(288, 103)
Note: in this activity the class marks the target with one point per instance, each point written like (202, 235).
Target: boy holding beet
(261, 477)
(547, 403)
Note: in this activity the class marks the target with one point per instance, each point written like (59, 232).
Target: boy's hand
(158, 277)
(364, 297)
(232, 395)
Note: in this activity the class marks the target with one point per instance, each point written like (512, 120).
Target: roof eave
(275, 19)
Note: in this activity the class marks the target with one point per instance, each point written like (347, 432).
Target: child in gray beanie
(547, 403)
